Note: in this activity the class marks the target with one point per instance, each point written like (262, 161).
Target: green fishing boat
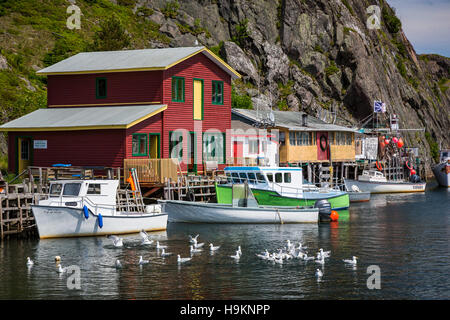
(278, 186)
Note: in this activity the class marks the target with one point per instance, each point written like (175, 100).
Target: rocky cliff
(318, 56)
(322, 57)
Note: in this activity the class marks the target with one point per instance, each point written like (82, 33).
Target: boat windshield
(55, 189)
(260, 177)
(251, 177)
(71, 189)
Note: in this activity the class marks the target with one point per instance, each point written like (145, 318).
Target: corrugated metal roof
(79, 118)
(292, 120)
(129, 60)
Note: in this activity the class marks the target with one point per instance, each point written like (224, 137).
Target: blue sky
(426, 24)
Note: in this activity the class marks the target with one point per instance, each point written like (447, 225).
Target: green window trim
(139, 152)
(217, 92)
(173, 144)
(176, 83)
(98, 95)
(207, 140)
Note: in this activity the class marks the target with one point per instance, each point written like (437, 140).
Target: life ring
(406, 163)
(323, 139)
(379, 166)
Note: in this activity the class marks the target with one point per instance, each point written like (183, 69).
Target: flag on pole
(377, 106)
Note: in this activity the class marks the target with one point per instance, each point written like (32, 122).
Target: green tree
(111, 36)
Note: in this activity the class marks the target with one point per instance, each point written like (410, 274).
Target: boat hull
(385, 187)
(197, 212)
(359, 196)
(61, 222)
(272, 198)
(442, 177)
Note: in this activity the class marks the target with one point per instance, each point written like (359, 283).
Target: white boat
(244, 209)
(442, 170)
(375, 182)
(76, 208)
(356, 195)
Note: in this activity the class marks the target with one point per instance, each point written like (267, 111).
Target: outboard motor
(414, 178)
(324, 210)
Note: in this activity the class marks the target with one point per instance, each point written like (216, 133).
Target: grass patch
(434, 148)
(240, 101)
(331, 69)
(393, 24)
(348, 6)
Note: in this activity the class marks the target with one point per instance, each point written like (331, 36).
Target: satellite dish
(271, 116)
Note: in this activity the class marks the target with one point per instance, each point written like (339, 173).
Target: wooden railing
(152, 170)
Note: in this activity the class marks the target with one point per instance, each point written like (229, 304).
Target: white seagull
(321, 261)
(319, 273)
(237, 256)
(239, 250)
(193, 239)
(158, 246)
(61, 269)
(165, 254)
(181, 260)
(325, 254)
(145, 239)
(118, 264)
(29, 262)
(352, 262)
(198, 245)
(195, 250)
(142, 261)
(118, 242)
(213, 248)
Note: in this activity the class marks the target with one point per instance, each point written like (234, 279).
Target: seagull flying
(118, 242)
(193, 239)
(145, 239)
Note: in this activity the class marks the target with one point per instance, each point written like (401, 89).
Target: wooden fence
(152, 170)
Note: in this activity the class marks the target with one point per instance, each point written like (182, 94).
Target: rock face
(327, 56)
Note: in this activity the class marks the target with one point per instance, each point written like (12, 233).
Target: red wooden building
(104, 107)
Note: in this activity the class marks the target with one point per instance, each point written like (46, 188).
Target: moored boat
(442, 169)
(77, 208)
(244, 209)
(375, 182)
(279, 186)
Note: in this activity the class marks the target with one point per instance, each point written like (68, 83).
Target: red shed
(104, 107)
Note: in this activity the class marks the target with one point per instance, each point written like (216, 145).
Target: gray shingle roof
(291, 120)
(129, 60)
(79, 118)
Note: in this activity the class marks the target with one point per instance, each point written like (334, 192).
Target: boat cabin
(283, 180)
(372, 175)
(97, 195)
(444, 156)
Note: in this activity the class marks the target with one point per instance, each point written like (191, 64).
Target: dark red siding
(78, 148)
(122, 87)
(179, 115)
(152, 125)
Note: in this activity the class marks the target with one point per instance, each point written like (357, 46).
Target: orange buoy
(400, 143)
(334, 216)
(412, 172)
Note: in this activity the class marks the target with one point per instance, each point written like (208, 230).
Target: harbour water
(405, 235)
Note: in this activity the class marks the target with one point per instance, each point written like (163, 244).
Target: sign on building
(40, 144)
